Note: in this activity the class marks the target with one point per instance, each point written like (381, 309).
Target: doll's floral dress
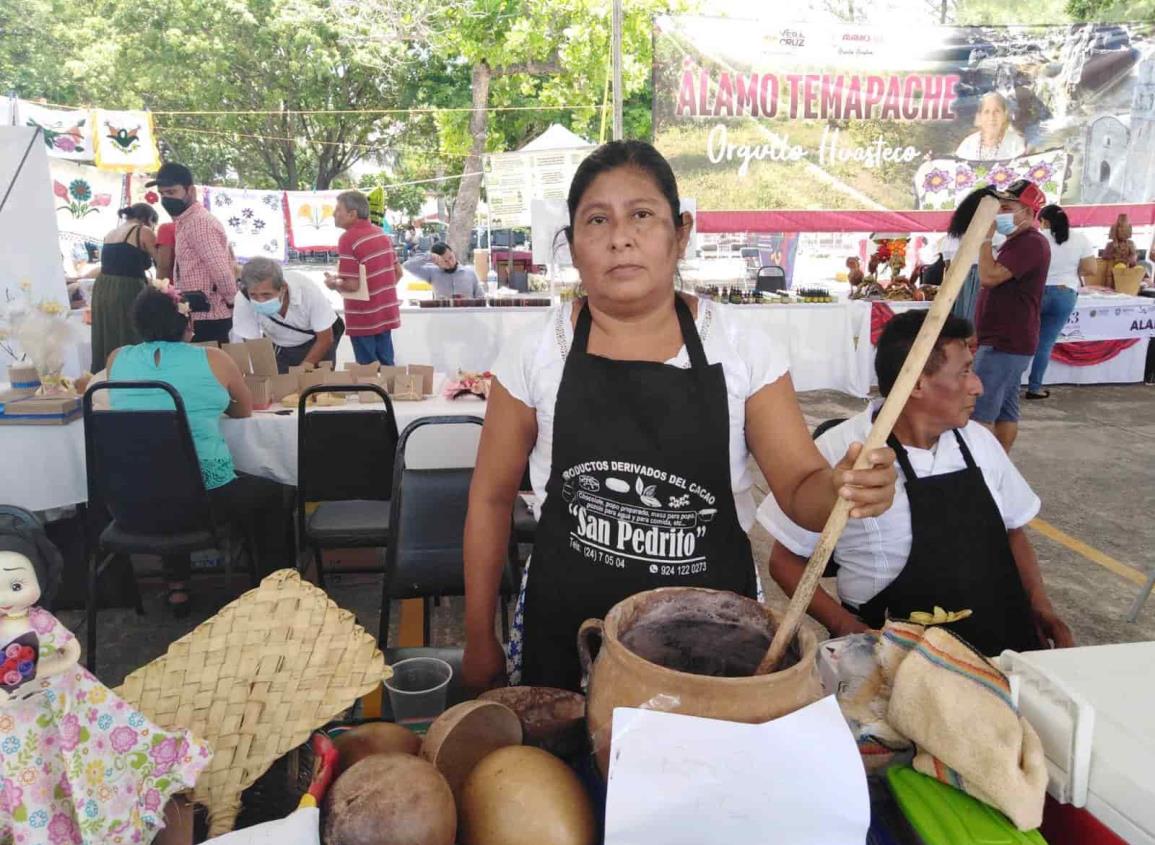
(79, 766)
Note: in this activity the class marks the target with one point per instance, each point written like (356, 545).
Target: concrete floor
(1089, 452)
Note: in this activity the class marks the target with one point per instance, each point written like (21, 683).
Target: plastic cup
(417, 689)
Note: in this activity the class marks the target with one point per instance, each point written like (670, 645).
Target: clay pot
(706, 630)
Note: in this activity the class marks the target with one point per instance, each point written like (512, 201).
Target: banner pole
(617, 49)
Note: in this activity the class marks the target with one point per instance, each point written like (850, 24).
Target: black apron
(293, 356)
(959, 558)
(639, 496)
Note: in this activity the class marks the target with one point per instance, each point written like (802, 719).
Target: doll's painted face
(19, 586)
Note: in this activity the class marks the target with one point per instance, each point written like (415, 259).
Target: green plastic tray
(943, 815)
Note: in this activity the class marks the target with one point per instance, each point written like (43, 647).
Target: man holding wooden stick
(954, 537)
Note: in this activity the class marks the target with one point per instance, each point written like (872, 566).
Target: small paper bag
(259, 387)
(239, 352)
(363, 369)
(426, 373)
(407, 388)
(262, 357)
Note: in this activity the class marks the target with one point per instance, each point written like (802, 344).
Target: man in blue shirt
(448, 278)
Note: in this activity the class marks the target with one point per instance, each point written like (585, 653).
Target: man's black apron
(639, 496)
(959, 558)
(294, 356)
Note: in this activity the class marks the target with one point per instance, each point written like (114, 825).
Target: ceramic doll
(78, 765)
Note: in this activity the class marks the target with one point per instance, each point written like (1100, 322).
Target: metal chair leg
(426, 617)
(251, 548)
(91, 603)
(320, 567)
(383, 629)
(1141, 599)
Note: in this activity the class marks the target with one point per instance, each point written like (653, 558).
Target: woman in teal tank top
(210, 384)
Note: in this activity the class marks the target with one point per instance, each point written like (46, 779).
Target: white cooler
(1094, 709)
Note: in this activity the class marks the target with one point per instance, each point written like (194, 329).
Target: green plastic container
(943, 815)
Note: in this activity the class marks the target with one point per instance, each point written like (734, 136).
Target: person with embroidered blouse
(210, 384)
(996, 139)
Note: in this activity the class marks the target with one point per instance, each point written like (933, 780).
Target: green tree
(1111, 10)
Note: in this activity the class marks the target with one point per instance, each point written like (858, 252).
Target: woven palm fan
(255, 680)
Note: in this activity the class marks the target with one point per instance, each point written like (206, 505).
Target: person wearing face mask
(1009, 306)
(202, 258)
(290, 310)
(954, 537)
(447, 277)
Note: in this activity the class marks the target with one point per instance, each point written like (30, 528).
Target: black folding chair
(425, 558)
(345, 468)
(143, 470)
(770, 278)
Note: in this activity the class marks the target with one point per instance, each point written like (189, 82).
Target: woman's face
(992, 118)
(625, 244)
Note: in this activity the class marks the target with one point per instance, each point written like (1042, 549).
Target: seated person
(448, 278)
(290, 310)
(210, 384)
(954, 535)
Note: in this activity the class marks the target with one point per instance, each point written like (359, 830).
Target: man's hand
(331, 281)
(1053, 631)
(870, 491)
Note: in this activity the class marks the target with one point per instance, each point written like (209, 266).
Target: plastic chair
(425, 558)
(142, 468)
(770, 278)
(345, 466)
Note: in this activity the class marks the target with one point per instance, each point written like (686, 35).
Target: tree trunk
(469, 191)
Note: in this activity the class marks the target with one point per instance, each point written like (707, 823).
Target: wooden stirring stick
(966, 256)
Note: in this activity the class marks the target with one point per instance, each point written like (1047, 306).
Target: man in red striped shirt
(369, 323)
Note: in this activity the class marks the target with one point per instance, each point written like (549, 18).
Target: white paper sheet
(678, 779)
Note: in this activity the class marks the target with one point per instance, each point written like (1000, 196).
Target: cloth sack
(955, 705)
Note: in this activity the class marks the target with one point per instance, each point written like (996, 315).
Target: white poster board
(514, 180)
(29, 245)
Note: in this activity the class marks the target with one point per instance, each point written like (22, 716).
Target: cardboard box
(426, 373)
(41, 410)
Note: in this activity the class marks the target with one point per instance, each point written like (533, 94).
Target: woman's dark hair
(140, 211)
(617, 154)
(966, 211)
(1060, 225)
(33, 543)
(156, 317)
(896, 339)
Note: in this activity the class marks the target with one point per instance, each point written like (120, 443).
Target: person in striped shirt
(369, 323)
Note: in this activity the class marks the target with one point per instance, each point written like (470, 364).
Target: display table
(42, 467)
(1097, 317)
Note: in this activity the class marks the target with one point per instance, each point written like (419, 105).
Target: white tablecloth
(1125, 368)
(42, 467)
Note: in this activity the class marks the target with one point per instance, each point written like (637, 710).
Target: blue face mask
(268, 308)
(1005, 223)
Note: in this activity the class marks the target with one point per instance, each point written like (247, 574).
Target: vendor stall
(1104, 342)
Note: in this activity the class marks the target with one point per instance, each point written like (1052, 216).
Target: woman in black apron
(640, 493)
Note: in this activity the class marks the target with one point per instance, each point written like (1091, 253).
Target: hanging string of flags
(98, 159)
